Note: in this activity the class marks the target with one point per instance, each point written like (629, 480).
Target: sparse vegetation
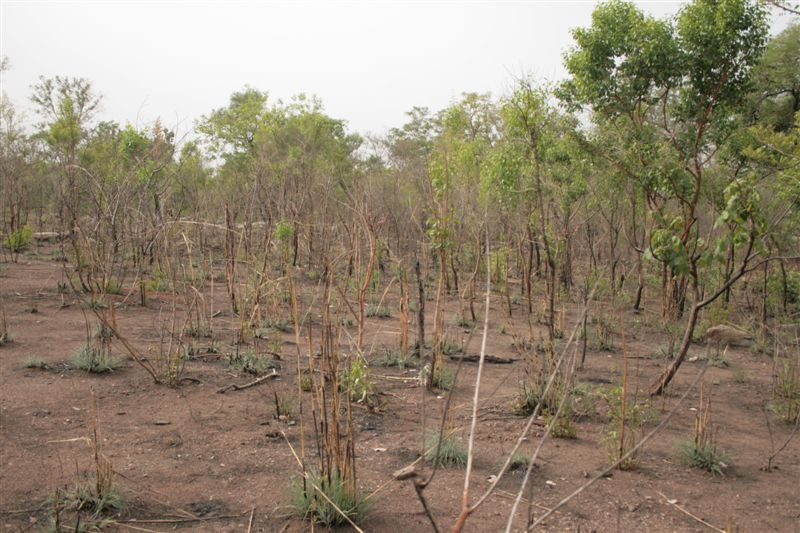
(397, 358)
(320, 499)
(35, 362)
(297, 289)
(702, 451)
(786, 389)
(251, 362)
(94, 358)
(447, 451)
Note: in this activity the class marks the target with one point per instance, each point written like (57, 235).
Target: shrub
(308, 504)
(18, 240)
(355, 380)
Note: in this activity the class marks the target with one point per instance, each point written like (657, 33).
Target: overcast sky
(370, 62)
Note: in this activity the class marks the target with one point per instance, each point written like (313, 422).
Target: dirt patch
(207, 460)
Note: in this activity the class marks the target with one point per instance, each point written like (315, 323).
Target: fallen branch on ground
(234, 386)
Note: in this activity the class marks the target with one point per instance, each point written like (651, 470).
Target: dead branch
(253, 383)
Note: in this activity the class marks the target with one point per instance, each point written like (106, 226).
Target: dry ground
(189, 451)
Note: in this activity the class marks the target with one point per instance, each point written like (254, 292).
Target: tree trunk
(660, 385)
(420, 345)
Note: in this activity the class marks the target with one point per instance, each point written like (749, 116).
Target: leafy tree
(67, 107)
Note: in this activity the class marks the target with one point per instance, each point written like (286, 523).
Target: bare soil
(189, 458)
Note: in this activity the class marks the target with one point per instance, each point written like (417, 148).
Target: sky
(369, 62)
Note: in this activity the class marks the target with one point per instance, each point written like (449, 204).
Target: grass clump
(461, 322)
(89, 496)
(786, 390)
(445, 449)
(443, 378)
(378, 311)
(35, 362)
(5, 336)
(94, 359)
(702, 452)
(519, 462)
(251, 362)
(397, 358)
(705, 456)
(284, 405)
(309, 504)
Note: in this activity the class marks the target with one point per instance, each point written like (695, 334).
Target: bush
(308, 504)
(18, 240)
(355, 380)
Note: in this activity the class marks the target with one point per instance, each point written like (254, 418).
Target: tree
(674, 89)
(67, 107)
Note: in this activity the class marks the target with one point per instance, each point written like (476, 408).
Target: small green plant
(306, 383)
(18, 240)
(279, 324)
(443, 377)
(199, 331)
(95, 358)
(113, 286)
(251, 362)
(378, 311)
(627, 418)
(668, 350)
(519, 462)
(5, 336)
(85, 496)
(284, 405)
(564, 426)
(741, 375)
(35, 362)
(461, 322)
(604, 337)
(355, 380)
(705, 457)
(786, 390)
(158, 282)
(447, 450)
(450, 347)
(717, 360)
(397, 358)
(309, 504)
(702, 452)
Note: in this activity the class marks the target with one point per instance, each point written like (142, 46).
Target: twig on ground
(233, 386)
(681, 509)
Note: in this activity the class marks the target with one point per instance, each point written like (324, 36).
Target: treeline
(666, 164)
